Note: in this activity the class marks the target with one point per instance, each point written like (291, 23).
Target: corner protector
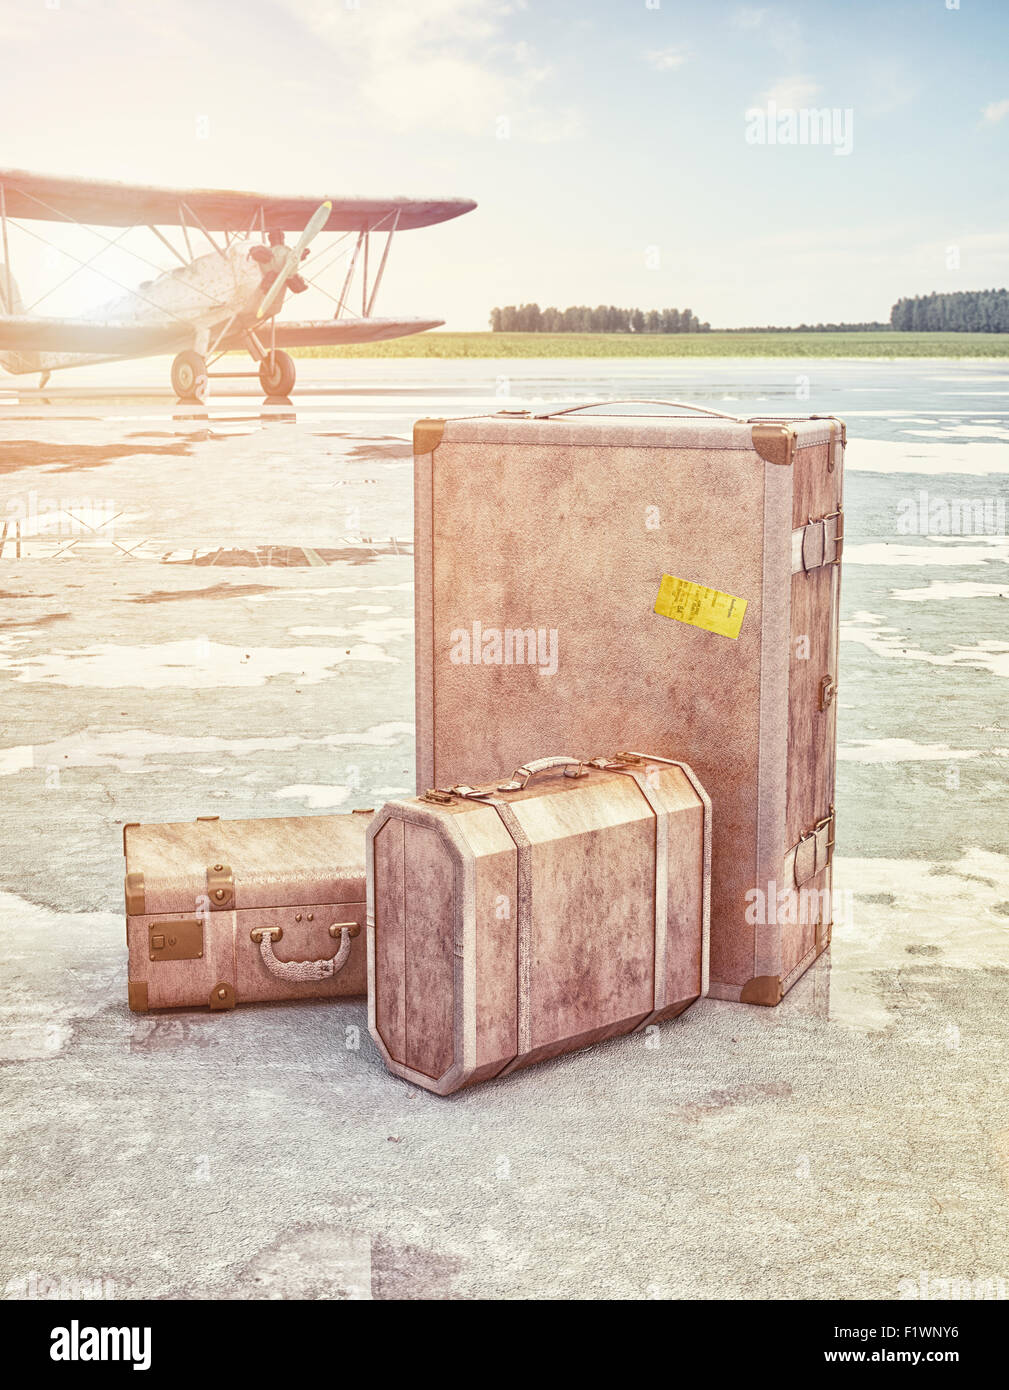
(222, 996)
(427, 435)
(762, 989)
(133, 885)
(130, 825)
(136, 993)
(774, 443)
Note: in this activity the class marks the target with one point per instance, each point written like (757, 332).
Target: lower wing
(21, 333)
(333, 332)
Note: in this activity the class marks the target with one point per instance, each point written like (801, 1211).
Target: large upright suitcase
(651, 580)
(516, 920)
(220, 912)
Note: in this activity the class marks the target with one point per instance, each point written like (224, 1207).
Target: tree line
(812, 328)
(604, 318)
(962, 311)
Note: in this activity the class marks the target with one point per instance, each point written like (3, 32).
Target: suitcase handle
(636, 400)
(523, 775)
(305, 971)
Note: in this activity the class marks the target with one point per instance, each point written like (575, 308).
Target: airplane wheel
(277, 373)
(189, 376)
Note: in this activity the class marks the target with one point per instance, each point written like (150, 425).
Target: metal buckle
(439, 797)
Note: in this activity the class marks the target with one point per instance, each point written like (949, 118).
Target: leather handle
(637, 400)
(305, 971)
(523, 775)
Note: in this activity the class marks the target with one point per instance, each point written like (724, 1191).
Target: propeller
(316, 223)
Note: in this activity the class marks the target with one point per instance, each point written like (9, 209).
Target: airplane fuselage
(202, 296)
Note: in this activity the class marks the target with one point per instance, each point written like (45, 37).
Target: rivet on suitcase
(649, 580)
(222, 912)
(517, 920)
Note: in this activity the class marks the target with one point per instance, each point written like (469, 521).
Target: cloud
(770, 25)
(439, 65)
(665, 59)
(996, 111)
(792, 92)
(749, 17)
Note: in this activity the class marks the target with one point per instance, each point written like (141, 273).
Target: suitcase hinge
(220, 886)
(828, 690)
(134, 885)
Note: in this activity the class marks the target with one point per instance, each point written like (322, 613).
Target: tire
(277, 374)
(189, 376)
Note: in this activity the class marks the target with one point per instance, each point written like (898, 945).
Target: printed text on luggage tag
(709, 609)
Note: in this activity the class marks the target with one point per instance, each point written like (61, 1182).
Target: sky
(614, 146)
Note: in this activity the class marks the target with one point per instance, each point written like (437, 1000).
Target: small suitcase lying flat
(511, 922)
(651, 580)
(223, 912)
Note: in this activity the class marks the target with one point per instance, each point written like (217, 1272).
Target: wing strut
(7, 259)
(349, 277)
(185, 207)
(381, 269)
(174, 250)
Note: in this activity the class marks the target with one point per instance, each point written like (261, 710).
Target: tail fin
(11, 303)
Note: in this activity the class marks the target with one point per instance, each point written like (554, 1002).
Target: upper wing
(332, 332)
(25, 334)
(48, 198)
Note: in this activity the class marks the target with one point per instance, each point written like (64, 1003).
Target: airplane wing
(24, 334)
(334, 332)
(103, 203)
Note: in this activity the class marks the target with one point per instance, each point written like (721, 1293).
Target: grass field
(714, 344)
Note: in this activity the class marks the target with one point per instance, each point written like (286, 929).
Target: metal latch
(439, 797)
(220, 886)
(828, 689)
(176, 940)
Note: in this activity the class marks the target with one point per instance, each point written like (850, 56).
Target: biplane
(224, 299)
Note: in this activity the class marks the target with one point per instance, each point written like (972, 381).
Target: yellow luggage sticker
(709, 609)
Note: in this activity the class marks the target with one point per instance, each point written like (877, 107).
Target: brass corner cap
(133, 886)
(130, 825)
(762, 989)
(136, 994)
(427, 435)
(774, 443)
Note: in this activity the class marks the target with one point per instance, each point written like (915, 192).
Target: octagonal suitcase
(511, 922)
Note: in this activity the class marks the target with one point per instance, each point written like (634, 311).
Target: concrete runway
(210, 612)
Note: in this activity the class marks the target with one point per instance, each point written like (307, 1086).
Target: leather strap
(659, 999)
(814, 851)
(523, 919)
(818, 543)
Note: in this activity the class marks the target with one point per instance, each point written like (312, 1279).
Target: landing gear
(189, 376)
(277, 373)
